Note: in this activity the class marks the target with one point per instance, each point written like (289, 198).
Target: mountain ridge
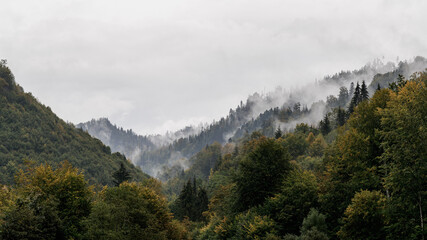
(31, 132)
(267, 111)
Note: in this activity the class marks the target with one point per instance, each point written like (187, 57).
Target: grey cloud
(156, 65)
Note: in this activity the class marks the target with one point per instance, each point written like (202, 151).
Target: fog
(157, 66)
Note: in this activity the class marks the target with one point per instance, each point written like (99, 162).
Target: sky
(154, 66)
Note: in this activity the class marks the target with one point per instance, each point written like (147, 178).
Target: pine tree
(325, 125)
(364, 95)
(378, 87)
(340, 117)
(355, 100)
(401, 81)
(278, 134)
(356, 95)
(202, 202)
(121, 175)
(191, 202)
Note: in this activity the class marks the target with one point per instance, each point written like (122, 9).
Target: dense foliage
(364, 178)
(360, 173)
(58, 203)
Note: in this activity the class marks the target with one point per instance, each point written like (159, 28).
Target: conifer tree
(278, 133)
(364, 95)
(121, 175)
(325, 125)
(355, 99)
(191, 202)
(340, 117)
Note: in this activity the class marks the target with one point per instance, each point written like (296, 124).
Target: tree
(317, 147)
(313, 220)
(121, 175)
(401, 81)
(340, 117)
(50, 204)
(364, 95)
(365, 217)
(132, 211)
(260, 172)
(297, 107)
(332, 101)
(355, 99)
(297, 196)
(295, 143)
(325, 125)
(349, 167)
(343, 97)
(191, 202)
(404, 134)
(278, 133)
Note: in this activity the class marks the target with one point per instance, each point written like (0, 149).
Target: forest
(359, 173)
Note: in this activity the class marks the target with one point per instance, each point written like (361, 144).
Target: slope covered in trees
(259, 113)
(357, 174)
(363, 179)
(30, 131)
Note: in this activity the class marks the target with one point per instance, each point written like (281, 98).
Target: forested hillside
(261, 112)
(360, 175)
(31, 132)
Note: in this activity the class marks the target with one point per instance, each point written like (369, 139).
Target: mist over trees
(358, 174)
(260, 112)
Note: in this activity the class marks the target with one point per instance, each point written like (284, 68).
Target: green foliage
(191, 203)
(261, 172)
(313, 220)
(247, 225)
(314, 234)
(297, 196)
(364, 95)
(364, 217)
(343, 97)
(317, 147)
(401, 81)
(296, 144)
(131, 211)
(50, 204)
(404, 134)
(325, 125)
(348, 168)
(278, 134)
(341, 117)
(121, 175)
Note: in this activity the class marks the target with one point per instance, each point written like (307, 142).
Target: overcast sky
(162, 64)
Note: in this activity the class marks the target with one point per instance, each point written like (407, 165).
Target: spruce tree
(364, 95)
(278, 133)
(340, 117)
(356, 95)
(121, 175)
(355, 100)
(325, 125)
